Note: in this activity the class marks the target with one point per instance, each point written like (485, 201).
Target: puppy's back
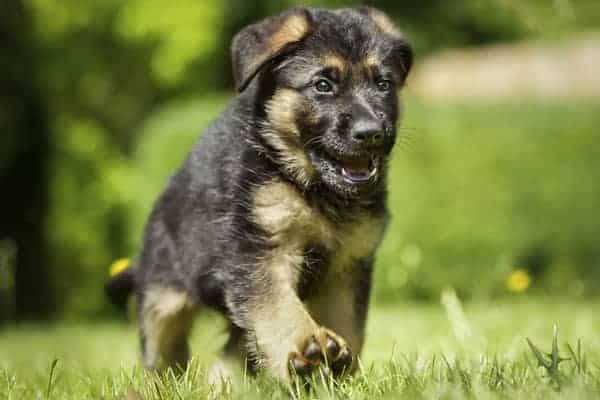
(193, 216)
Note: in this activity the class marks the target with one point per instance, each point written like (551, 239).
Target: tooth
(372, 174)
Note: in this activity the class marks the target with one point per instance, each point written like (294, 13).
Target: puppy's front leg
(288, 339)
(283, 334)
(342, 302)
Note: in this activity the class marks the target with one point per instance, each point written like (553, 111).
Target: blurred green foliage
(480, 190)
(476, 190)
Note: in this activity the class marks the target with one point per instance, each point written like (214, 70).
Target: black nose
(369, 132)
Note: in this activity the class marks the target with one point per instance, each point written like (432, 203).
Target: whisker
(312, 141)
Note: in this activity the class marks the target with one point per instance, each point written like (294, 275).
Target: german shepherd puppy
(275, 216)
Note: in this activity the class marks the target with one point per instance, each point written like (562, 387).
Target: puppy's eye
(384, 85)
(323, 86)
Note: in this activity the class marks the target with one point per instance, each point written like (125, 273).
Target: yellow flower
(518, 281)
(119, 266)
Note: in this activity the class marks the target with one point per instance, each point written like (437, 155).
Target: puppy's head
(332, 79)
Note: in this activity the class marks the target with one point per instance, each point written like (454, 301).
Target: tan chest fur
(281, 210)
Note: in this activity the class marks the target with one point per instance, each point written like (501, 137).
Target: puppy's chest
(301, 235)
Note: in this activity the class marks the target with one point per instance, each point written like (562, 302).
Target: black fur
(120, 287)
(201, 238)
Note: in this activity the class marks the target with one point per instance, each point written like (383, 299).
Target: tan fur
(384, 23)
(282, 211)
(356, 240)
(221, 372)
(282, 323)
(281, 112)
(371, 61)
(293, 29)
(281, 326)
(282, 134)
(371, 65)
(335, 61)
(333, 307)
(167, 317)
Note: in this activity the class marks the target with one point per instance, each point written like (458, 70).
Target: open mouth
(360, 170)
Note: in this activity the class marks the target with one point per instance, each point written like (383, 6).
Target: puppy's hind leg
(165, 319)
(234, 355)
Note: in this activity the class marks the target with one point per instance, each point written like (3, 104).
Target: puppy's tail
(121, 283)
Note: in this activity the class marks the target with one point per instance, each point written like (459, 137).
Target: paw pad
(326, 348)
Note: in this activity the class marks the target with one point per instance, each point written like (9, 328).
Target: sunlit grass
(412, 350)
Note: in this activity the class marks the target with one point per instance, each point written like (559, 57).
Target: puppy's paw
(220, 373)
(323, 348)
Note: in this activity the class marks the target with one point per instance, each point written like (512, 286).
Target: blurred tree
(83, 87)
(24, 146)
(432, 24)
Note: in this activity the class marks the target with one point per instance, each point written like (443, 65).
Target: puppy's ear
(257, 44)
(402, 54)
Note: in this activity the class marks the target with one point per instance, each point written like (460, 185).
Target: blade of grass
(51, 378)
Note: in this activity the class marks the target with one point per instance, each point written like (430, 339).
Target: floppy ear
(257, 44)
(402, 54)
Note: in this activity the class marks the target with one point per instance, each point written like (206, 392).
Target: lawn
(412, 350)
(476, 192)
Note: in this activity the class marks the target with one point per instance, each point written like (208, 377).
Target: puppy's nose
(368, 132)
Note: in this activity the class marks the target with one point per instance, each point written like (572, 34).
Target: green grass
(412, 350)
